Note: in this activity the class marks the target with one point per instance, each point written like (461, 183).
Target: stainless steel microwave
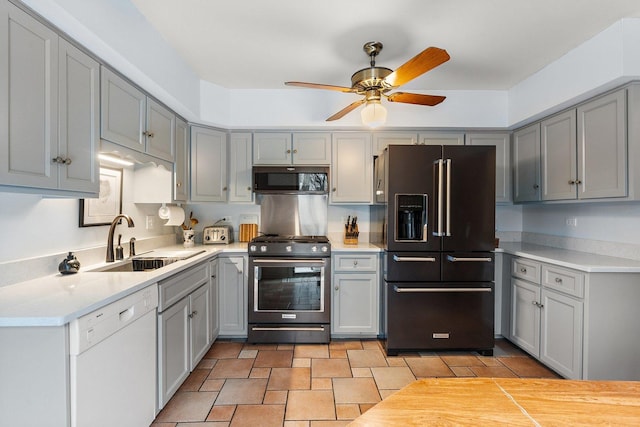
(291, 179)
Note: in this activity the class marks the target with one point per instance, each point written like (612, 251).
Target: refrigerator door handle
(438, 290)
(440, 164)
(448, 207)
(412, 258)
(463, 259)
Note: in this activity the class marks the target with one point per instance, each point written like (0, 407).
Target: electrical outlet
(228, 219)
(149, 222)
(571, 222)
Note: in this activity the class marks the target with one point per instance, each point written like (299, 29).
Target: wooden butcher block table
(507, 401)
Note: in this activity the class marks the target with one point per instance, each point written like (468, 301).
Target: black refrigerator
(436, 219)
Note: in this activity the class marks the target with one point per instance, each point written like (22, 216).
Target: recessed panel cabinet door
(181, 165)
(351, 168)
(602, 147)
(161, 123)
(233, 302)
(558, 157)
(526, 167)
(208, 165)
(240, 168)
(173, 349)
(502, 142)
(79, 119)
(200, 323)
(28, 100)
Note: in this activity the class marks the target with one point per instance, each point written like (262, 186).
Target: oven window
(289, 288)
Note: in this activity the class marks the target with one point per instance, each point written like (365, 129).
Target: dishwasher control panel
(90, 329)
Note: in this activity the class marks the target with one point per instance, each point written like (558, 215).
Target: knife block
(351, 236)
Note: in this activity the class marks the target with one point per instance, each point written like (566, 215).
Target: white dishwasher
(113, 363)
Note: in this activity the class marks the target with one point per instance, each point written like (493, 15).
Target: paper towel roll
(174, 214)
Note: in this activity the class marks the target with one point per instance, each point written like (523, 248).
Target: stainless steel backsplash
(289, 214)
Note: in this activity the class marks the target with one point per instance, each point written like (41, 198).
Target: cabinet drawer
(355, 262)
(526, 269)
(183, 283)
(564, 280)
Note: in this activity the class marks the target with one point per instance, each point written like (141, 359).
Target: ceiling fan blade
(340, 114)
(415, 98)
(426, 60)
(320, 86)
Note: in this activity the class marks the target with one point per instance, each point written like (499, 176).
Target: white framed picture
(102, 210)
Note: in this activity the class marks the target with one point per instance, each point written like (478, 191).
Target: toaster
(217, 234)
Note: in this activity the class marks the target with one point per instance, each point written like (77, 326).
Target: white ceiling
(494, 44)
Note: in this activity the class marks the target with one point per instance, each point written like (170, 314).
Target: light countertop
(582, 261)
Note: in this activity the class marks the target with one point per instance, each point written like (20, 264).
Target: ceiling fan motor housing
(370, 78)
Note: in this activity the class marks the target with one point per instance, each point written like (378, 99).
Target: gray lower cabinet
(233, 288)
(49, 105)
(184, 327)
(215, 296)
(355, 302)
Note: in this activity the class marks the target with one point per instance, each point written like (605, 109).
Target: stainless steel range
(289, 296)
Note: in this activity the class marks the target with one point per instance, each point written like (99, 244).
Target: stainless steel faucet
(110, 257)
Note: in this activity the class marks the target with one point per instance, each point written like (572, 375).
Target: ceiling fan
(374, 83)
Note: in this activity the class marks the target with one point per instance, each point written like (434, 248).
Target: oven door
(289, 290)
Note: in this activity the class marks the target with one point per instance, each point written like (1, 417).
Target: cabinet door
(441, 138)
(232, 283)
(160, 131)
(502, 142)
(181, 165)
(200, 323)
(28, 100)
(526, 164)
(351, 168)
(240, 168)
(208, 165)
(173, 349)
(79, 124)
(558, 157)
(123, 111)
(382, 140)
(602, 147)
(525, 316)
(272, 148)
(215, 310)
(355, 304)
(312, 148)
(561, 329)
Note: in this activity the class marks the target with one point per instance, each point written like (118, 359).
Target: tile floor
(317, 385)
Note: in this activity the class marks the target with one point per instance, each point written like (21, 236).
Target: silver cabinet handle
(438, 290)
(438, 232)
(462, 259)
(448, 218)
(413, 258)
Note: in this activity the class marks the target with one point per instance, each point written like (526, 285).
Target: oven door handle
(438, 290)
(289, 261)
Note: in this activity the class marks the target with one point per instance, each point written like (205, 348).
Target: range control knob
(253, 248)
(314, 249)
(325, 249)
(263, 248)
(288, 248)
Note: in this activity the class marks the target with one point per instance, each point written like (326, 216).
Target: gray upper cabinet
(208, 165)
(131, 119)
(441, 138)
(271, 148)
(558, 168)
(502, 142)
(526, 168)
(240, 168)
(48, 108)
(181, 165)
(602, 147)
(351, 168)
(382, 140)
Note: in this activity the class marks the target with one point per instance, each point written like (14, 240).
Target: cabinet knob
(295, 151)
(578, 182)
(333, 189)
(61, 161)
(537, 304)
(288, 151)
(248, 188)
(536, 186)
(572, 182)
(192, 314)
(337, 288)
(355, 262)
(213, 275)
(224, 189)
(523, 270)
(178, 184)
(148, 134)
(558, 280)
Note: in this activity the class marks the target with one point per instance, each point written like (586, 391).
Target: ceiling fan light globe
(374, 114)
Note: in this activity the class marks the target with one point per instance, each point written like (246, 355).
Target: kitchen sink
(147, 262)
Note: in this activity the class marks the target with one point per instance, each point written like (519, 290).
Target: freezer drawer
(467, 267)
(413, 266)
(442, 316)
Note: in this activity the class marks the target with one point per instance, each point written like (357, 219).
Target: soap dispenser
(69, 265)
